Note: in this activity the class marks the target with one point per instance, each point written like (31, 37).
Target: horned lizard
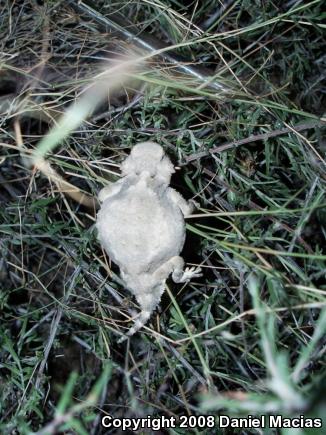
(141, 227)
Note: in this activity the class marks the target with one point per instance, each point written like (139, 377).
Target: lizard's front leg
(187, 207)
(109, 190)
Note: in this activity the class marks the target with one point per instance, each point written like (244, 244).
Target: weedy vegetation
(246, 338)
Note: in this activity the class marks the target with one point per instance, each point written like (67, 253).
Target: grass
(246, 338)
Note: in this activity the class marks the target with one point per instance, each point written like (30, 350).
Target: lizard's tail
(139, 323)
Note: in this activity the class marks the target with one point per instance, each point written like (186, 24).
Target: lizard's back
(141, 228)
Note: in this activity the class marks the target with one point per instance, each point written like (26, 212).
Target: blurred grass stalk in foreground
(111, 77)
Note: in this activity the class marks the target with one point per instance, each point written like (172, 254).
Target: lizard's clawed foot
(191, 272)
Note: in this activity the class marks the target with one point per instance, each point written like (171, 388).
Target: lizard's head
(148, 160)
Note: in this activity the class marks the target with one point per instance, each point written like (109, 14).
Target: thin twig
(253, 138)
